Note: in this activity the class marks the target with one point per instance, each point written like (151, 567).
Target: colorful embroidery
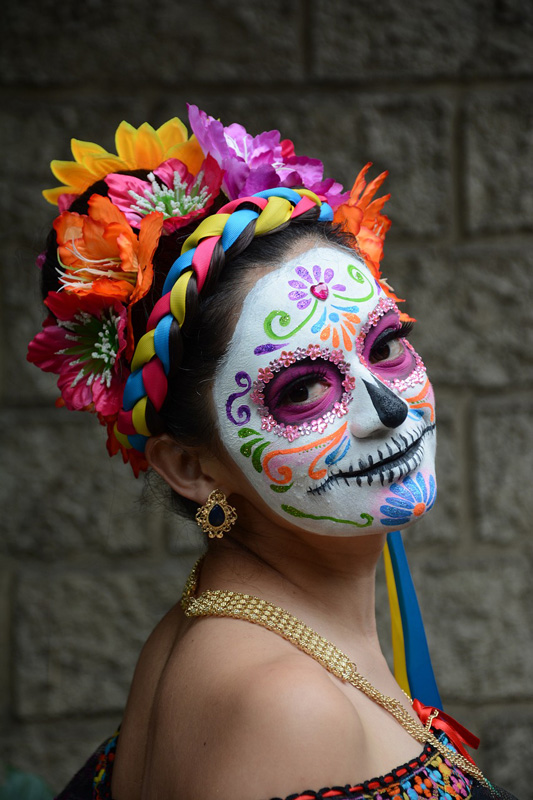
(104, 769)
(428, 776)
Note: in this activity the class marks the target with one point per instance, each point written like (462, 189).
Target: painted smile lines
(393, 461)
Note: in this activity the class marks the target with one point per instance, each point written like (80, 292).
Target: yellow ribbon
(138, 417)
(144, 351)
(210, 226)
(178, 294)
(398, 647)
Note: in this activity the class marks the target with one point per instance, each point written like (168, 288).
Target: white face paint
(323, 405)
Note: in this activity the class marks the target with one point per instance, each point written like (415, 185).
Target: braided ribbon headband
(151, 363)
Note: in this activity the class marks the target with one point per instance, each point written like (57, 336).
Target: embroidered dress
(428, 776)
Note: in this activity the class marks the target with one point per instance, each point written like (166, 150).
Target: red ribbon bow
(457, 734)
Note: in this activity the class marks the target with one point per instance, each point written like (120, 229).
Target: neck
(326, 581)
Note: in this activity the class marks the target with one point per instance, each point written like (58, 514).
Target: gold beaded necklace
(220, 603)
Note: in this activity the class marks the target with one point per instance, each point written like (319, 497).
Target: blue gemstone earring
(216, 516)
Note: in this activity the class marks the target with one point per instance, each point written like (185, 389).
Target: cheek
(422, 402)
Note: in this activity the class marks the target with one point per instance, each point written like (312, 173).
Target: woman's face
(323, 404)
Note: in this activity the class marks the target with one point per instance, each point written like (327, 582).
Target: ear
(186, 469)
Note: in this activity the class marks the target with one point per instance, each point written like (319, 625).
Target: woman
(220, 307)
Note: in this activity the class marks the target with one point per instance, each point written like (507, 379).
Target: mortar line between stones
(458, 166)
(275, 88)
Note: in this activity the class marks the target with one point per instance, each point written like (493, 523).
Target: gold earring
(216, 516)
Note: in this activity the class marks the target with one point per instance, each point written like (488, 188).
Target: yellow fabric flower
(137, 148)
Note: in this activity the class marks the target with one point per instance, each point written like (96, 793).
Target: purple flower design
(312, 286)
(254, 163)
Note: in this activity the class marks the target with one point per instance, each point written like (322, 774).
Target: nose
(375, 408)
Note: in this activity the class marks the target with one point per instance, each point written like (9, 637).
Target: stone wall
(439, 93)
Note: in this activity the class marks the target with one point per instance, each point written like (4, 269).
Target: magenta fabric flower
(254, 163)
(82, 343)
(170, 189)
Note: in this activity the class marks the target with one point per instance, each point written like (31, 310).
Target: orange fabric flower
(101, 254)
(362, 216)
(137, 148)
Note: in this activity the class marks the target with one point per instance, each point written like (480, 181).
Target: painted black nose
(390, 409)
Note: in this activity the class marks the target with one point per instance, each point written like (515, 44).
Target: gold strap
(219, 603)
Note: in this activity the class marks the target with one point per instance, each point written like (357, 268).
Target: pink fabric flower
(170, 189)
(82, 343)
(254, 163)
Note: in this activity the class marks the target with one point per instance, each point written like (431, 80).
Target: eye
(386, 351)
(389, 354)
(304, 391)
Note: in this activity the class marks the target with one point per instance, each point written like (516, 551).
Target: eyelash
(402, 332)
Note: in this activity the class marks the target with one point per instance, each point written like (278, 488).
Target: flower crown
(105, 256)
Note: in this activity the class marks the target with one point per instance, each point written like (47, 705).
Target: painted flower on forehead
(100, 254)
(170, 189)
(307, 286)
(254, 163)
(137, 148)
(83, 343)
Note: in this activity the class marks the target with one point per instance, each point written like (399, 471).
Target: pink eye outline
(384, 324)
(306, 375)
(303, 422)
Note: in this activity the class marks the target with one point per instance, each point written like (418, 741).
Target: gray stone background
(440, 93)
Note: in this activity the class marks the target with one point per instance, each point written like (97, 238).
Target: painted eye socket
(303, 391)
(387, 350)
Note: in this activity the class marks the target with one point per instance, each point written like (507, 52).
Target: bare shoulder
(253, 718)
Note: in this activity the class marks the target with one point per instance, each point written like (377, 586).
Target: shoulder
(262, 720)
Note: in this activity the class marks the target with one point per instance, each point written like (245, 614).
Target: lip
(388, 468)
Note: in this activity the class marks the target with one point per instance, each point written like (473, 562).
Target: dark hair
(211, 315)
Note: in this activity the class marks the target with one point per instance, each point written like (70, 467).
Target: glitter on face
(331, 429)
(339, 408)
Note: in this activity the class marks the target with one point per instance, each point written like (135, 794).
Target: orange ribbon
(456, 733)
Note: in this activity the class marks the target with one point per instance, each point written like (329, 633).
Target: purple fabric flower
(255, 163)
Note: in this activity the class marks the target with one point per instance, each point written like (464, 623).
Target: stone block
(499, 161)
(420, 40)
(477, 611)
(6, 587)
(132, 43)
(62, 495)
(473, 306)
(506, 735)
(22, 314)
(503, 431)
(54, 750)
(79, 633)
(411, 137)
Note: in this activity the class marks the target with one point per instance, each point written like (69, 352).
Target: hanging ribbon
(415, 659)
(456, 733)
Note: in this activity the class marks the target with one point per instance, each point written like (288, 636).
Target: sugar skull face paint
(323, 403)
